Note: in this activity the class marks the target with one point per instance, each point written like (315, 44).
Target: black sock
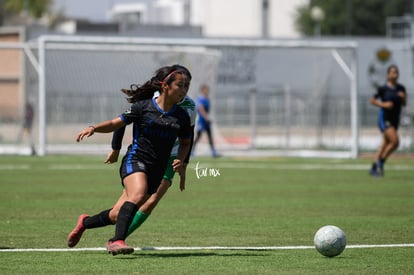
(374, 166)
(99, 220)
(382, 160)
(125, 216)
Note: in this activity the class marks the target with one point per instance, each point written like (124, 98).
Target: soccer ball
(330, 240)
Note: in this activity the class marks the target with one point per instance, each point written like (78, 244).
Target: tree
(12, 8)
(351, 17)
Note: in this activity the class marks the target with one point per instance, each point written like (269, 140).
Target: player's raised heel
(76, 234)
(374, 173)
(118, 247)
(380, 166)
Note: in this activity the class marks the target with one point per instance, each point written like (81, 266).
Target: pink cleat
(76, 234)
(118, 247)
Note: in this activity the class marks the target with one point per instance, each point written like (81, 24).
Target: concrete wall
(11, 76)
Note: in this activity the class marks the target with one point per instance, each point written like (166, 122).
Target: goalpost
(301, 96)
(80, 80)
(272, 96)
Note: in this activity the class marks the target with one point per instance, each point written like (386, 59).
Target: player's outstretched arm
(102, 127)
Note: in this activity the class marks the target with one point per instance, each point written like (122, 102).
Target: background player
(203, 121)
(390, 97)
(27, 126)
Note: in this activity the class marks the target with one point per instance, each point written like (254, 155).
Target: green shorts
(169, 171)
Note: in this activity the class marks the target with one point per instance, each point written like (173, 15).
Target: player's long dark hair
(392, 66)
(162, 75)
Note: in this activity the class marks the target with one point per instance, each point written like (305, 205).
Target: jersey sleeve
(191, 109)
(380, 93)
(132, 114)
(117, 137)
(201, 101)
(401, 88)
(187, 159)
(397, 99)
(185, 130)
(193, 115)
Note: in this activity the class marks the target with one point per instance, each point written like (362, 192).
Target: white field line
(234, 165)
(183, 248)
(81, 166)
(326, 166)
(15, 166)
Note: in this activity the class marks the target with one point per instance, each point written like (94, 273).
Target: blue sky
(94, 10)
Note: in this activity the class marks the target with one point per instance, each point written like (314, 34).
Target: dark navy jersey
(155, 131)
(390, 94)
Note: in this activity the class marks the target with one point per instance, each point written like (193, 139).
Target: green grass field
(251, 203)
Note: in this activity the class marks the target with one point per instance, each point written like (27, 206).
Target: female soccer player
(146, 209)
(157, 122)
(390, 98)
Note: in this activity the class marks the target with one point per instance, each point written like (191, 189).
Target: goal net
(270, 97)
(294, 98)
(83, 77)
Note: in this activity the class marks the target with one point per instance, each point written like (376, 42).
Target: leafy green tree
(351, 17)
(12, 8)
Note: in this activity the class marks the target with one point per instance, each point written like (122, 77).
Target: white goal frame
(350, 70)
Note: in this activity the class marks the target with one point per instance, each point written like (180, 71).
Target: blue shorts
(153, 172)
(203, 126)
(384, 122)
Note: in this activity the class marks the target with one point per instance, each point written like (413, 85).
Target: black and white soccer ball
(330, 240)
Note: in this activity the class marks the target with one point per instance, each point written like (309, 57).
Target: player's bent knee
(137, 199)
(396, 144)
(395, 141)
(113, 214)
